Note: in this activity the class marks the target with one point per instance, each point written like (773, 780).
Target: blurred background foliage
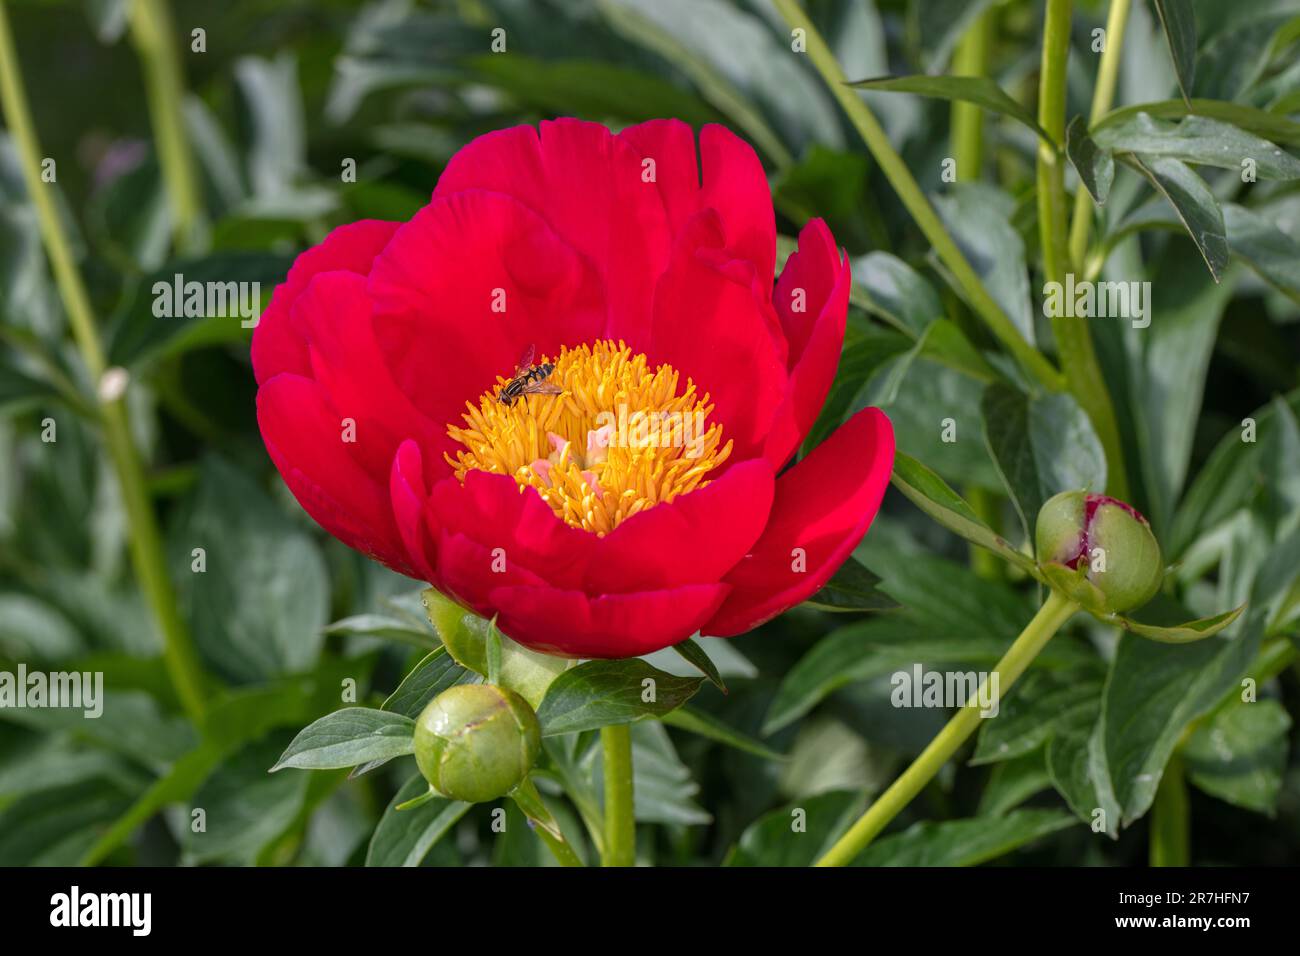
(287, 91)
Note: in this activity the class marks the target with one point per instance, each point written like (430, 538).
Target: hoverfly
(529, 379)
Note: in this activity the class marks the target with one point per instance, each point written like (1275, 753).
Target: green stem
(982, 561)
(620, 823)
(1170, 827)
(909, 192)
(152, 32)
(146, 542)
(1103, 95)
(531, 804)
(1056, 610)
(971, 58)
(1073, 340)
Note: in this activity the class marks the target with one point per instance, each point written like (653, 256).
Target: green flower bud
(476, 742)
(1099, 551)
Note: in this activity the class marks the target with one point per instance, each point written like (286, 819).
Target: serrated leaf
(932, 495)
(602, 693)
(347, 737)
(1095, 165)
(979, 90)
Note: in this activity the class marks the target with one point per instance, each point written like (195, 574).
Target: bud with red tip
(1099, 551)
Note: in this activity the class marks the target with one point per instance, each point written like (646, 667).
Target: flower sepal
(466, 636)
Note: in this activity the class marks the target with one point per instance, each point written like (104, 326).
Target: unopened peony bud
(476, 742)
(1098, 550)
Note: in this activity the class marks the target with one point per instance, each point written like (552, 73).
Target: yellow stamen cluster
(618, 440)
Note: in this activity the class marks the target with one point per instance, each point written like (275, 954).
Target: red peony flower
(641, 503)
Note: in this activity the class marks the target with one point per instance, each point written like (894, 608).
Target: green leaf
(799, 834)
(852, 588)
(258, 610)
(1181, 633)
(896, 292)
(465, 635)
(1195, 204)
(385, 627)
(435, 672)
(1200, 141)
(1179, 22)
(963, 842)
(979, 90)
(584, 87)
(706, 725)
(1069, 764)
(979, 217)
(54, 826)
(1012, 782)
(1271, 126)
(245, 809)
(1041, 446)
(868, 649)
(1265, 247)
(347, 737)
(665, 792)
(1152, 693)
(138, 337)
(405, 837)
(601, 693)
(1032, 713)
(932, 495)
(1095, 165)
(1239, 754)
(691, 652)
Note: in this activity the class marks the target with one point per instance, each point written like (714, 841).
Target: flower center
(618, 439)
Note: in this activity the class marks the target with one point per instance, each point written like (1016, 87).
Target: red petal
(333, 316)
(809, 279)
(407, 489)
(304, 436)
(587, 185)
(570, 624)
(819, 352)
(694, 539)
(351, 248)
(712, 328)
(671, 144)
(435, 286)
(823, 505)
(471, 572)
(492, 510)
(736, 186)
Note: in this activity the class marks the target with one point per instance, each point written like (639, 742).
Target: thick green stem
(1170, 826)
(152, 33)
(1103, 95)
(1073, 340)
(971, 58)
(909, 192)
(1056, 610)
(620, 823)
(146, 542)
